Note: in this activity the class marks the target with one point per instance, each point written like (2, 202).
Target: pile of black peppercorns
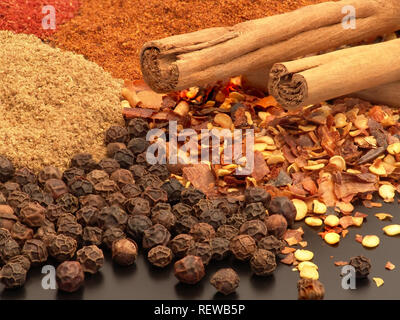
(122, 202)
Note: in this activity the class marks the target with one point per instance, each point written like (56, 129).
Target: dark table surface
(142, 281)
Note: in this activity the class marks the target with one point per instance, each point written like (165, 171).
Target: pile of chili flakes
(330, 154)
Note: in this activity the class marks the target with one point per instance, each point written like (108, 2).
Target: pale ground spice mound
(53, 103)
(112, 32)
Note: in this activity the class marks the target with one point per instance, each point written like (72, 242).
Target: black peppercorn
(164, 217)
(180, 244)
(220, 248)
(13, 275)
(92, 200)
(23, 260)
(125, 158)
(189, 269)
(21, 233)
(138, 171)
(236, 220)
(136, 225)
(254, 194)
(131, 191)
(3, 199)
(202, 206)
(122, 177)
(254, 210)
(62, 247)
(272, 244)
(180, 209)
(116, 134)
(155, 235)
(160, 207)
(362, 265)
(138, 127)
(184, 224)
(310, 289)
(225, 281)
(154, 195)
(32, 214)
(228, 205)
(141, 159)
(263, 262)
(91, 258)
(80, 186)
(92, 235)
(71, 229)
(160, 256)
(116, 199)
(106, 187)
(84, 161)
(109, 165)
(285, 207)
(87, 216)
(202, 250)
(56, 187)
(254, 228)
(7, 217)
(276, 225)
(53, 212)
(9, 187)
(24, 176)
(138, 145)
(149, 180)
(96, 176)
(112, 217)
(174, 189)
(4, 235)
(213, 217)
(112, 234)
(45, 233)
(138, 206)
(191, 196)
(113, 147)
(243, 247)
(227, 231)
(36, 251)
(66, 218)
(49, 172)
(17, 199)
(71, 173)
(124, 252)
(159, 170)
(69, 202)
(70, 276)
(6, 169)
(9, 249)
(202, 232)
(31, 188)
(43, 198)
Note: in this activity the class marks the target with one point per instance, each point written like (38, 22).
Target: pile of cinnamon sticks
(286, 54)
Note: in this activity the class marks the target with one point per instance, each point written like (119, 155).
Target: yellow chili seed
(332, 238)
(313, 221)
(331, 220)
(387, 192)
(370, 241)
(339, 162)
(303, 264)
(394, 148)
(319, 207)
(301, 209)
(223, 120)
(392, 230)
(303, 255)
(309, 272)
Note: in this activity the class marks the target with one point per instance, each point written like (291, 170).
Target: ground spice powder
(53, 103)
(112, 32)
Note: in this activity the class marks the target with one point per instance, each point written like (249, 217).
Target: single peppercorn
(150, 180)
(79, 186)
(112, 234)
(53, 212)
(271, 243)
(13, 275)
(276, 225)
(6, 169)
(165, 218)
(136, 225)
(9, 249)
(4, 235)
(125, 158)
(96, 176)
(202, 232)
(254, 194)
(189, 269)
(31, 188)
(202, 206)
(154, 195)
(9, 187)
(84, 161)
(174, 189)
(71, 173)
(254, 210)
(92, 200)
(122, 177)
(138, 127)
(112, 217)
(225, 280)
(43, 198)
(131, 191)
(138, 145)
(106, 187)
(92, 235)
(243, 247)
(116, 134)
(69, 202)
(213, 217)
(49, 172)
(32, 214)
(17, 199)
(24, 176)
(160, 256)
(72, 229)
(138, 171)
(220, 248)
(23, 260)
(283, 206)
(124, 252)
(56, 187)
(88, 216)
(116, 199)
(66, 218)
(263, 262)
(141, 159)
(181, 209)
(191, 196)
(109, 165)
(236, 220)
(45, 233)
(155, 235)
(91, 258)
(21, 233)
(3, 199)
(227, 231)
(362, 265)
(309, 289)
(70, 276)
(180, 244)
(228, 205)
(254, 228)
(159, 170)
(202, 250)
(62, 247)
(184, 224)
(138, 206)
(161, 206)
(113, 147)
(36, 251)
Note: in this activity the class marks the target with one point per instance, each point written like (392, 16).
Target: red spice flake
(130, 113)
(200, 177)
(344, 233)
(260, 169)
(293, 237)
(289, 259)
(25, 16)
(389, 265)
(341, 263)
(266, 102)
(359, 238)
(287, 250)
(360, 214)
(371, 204)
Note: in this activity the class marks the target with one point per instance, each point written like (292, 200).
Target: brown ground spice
(112, 32)
(53, 103)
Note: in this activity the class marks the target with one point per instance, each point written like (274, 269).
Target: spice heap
(114, 35)
(26, 16)
(53, 103)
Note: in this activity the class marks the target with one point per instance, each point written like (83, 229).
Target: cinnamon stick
(320, 78)
(387, 94)
(208, 55)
